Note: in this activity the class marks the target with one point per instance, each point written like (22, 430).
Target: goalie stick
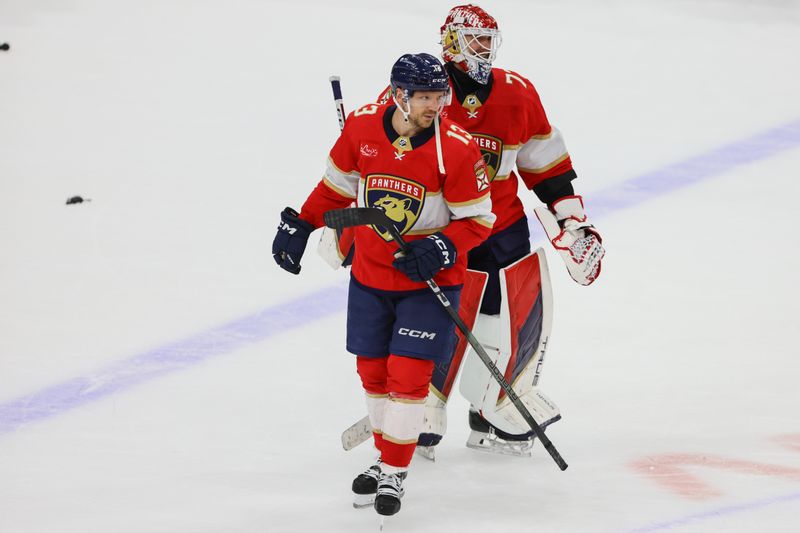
(336, 85)
(328, 246)
(361, 430)
(371, 216)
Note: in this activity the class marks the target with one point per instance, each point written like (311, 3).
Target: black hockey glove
(426, 257)
(290, 242)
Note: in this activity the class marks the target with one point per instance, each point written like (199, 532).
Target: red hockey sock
(408, 380)
(372, 371)
(378, 438)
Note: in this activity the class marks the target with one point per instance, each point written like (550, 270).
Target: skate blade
(428, 452)
(381, 523)
(489, 443)
(362, 501)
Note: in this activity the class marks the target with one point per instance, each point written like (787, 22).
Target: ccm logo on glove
(443, 248)
(290, 241)
(283, 226)
(423, 258)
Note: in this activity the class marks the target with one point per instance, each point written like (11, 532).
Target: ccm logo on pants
(416, 333)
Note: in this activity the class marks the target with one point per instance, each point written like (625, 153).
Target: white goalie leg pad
(474, 383)
(402, 420)
(527, 301)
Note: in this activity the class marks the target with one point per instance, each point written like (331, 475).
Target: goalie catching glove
(290, 241)
(574, 237)
(426, 257)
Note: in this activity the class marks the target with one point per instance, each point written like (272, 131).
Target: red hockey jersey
(375, 167)
(509, 124)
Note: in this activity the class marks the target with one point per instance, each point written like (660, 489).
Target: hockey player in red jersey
(502, 111)
(429, 177)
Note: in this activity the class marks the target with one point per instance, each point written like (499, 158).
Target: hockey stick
(328, 246)
(365, 216)
(337, 99)
(361, 430)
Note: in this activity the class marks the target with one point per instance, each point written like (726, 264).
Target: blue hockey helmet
(418, 72)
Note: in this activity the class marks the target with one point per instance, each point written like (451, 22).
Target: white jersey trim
(480, 211)
(344, 183)
(507, 161)
(542, 153)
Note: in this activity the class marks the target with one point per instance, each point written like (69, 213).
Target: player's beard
(420, 121)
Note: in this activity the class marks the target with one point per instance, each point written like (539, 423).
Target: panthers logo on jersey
(400, 198)
(492, 151)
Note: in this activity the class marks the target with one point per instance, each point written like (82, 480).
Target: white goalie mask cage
(475, 49)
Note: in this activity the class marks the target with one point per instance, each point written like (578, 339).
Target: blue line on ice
(717, 513)
(177, 355)
(274, 320)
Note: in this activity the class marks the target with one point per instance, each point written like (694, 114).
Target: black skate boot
(486, 437)
(390, 490)
(365, 485)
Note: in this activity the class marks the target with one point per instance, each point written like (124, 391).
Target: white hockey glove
(574, 237)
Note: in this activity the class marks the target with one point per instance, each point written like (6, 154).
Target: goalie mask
(470, 39)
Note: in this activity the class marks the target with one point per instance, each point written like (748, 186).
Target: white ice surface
(190, 125)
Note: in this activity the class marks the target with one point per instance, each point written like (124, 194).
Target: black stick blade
(356, 216)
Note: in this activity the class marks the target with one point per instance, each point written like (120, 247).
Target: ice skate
(390, 491)
(428, 452)
(485, 437)
(365, 485)
(492, 443)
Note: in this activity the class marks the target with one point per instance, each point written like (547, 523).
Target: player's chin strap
(405, 100)
(437, 134)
